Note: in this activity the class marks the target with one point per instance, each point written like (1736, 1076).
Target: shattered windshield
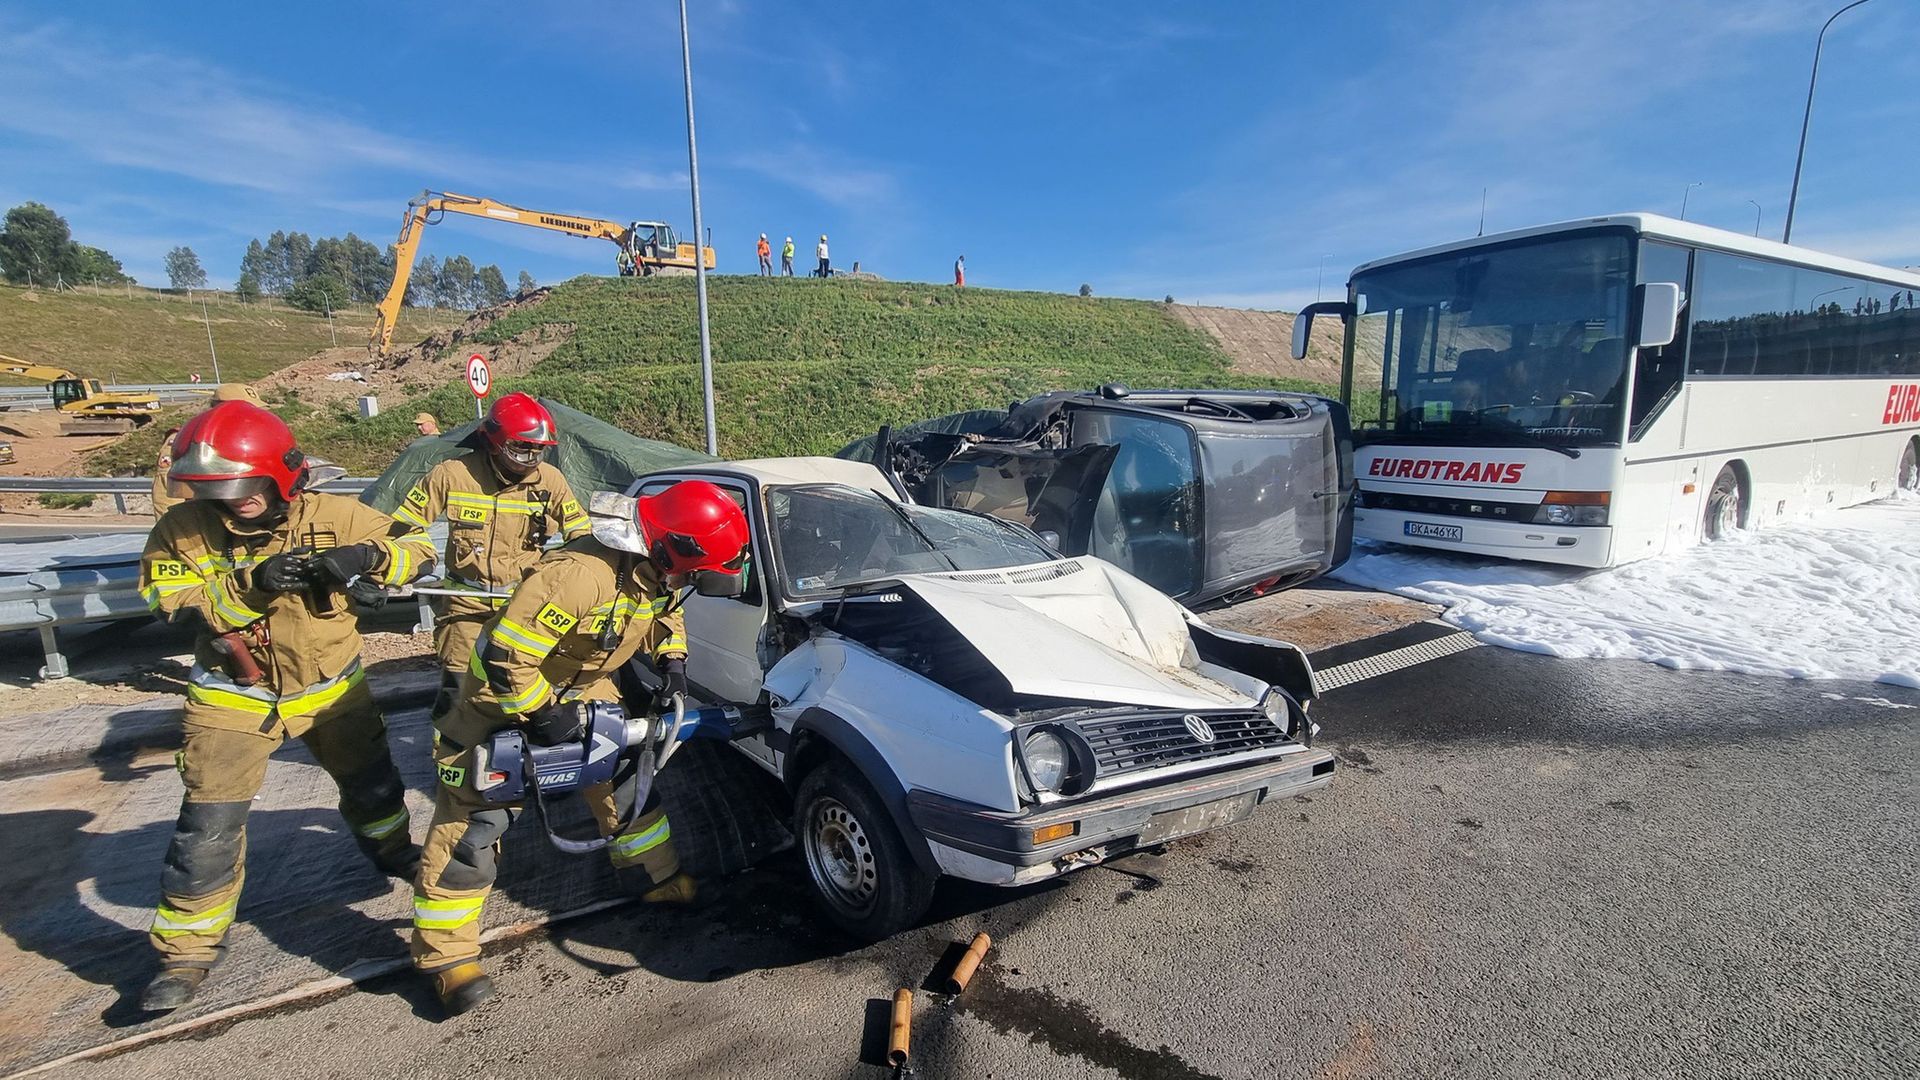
(1517, 344)
(829, 536)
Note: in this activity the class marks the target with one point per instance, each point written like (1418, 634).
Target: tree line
(37, 247)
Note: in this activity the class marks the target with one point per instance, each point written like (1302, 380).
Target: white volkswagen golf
(940, 692)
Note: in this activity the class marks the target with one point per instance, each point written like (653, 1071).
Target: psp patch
(470, 513)
(451, 775)
(555, 619)
(169, 570)
(417, 497)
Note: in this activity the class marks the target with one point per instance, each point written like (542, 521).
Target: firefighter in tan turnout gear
(572, 624)
(262, 563)
(501, 505)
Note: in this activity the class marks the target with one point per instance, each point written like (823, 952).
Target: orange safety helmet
(693, 525)
(233, 450)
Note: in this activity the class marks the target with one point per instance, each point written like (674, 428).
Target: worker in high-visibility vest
(262, 564)
(502, 504)
(560, 642)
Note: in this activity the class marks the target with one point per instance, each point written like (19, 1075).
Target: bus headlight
(1047, 760)
(1573, 508)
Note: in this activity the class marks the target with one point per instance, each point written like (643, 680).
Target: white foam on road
(1837, 597)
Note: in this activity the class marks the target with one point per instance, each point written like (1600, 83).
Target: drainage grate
(1334, 678)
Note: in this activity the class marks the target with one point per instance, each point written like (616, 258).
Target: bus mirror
(1303, 322)
(1659, 313)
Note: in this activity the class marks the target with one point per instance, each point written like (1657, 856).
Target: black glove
(337, 566)
(285, 572)
(368, 593)
(673, 680)
(558, 723)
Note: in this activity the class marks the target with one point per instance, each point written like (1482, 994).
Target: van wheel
(1726, 510)
(861, 870)
(1907, 478)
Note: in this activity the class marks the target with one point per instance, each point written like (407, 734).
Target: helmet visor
(237, 487)
(522, 453)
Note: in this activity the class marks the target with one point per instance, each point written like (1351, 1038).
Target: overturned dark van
(1211, 496)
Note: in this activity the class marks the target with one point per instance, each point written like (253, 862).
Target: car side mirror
(713, 583)
(1303, 322)
(1659, 314)
(1049, 538)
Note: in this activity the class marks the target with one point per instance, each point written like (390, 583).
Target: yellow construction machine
(646, 247)
(85, 408)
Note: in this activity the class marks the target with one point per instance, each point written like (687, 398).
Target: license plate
(1195, 819)
(1427, 530)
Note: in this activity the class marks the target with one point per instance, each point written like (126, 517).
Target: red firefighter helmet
(235, 449)
(693, 525)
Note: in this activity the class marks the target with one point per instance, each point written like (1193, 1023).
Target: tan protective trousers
(462, 855)
(457, 623)
(223, 763)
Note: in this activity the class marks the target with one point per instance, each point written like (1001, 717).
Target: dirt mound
(341, 374)
(1261, 342)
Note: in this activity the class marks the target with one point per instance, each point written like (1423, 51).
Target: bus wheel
(1908, 476)
(1725, 510)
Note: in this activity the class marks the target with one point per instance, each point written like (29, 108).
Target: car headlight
(1047, 760)
(1274, 705)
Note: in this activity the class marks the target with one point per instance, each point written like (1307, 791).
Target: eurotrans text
(1464, 472)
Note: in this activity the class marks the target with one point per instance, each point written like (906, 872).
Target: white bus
(1602, 390)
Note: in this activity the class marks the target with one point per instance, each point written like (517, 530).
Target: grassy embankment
(148, 336)
(805, 366)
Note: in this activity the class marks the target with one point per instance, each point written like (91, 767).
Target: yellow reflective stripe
(522, 638)
(404, 553)
(643, 841)
(227, 606)
(313, 699)
(215, 564)
(228, 699)
(152, 593)
(407, 514)
(529, 699)
(385, 827)
(675, 643)
(445, 914)
(170, 923)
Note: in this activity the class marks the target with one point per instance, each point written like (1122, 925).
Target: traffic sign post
(479, 380)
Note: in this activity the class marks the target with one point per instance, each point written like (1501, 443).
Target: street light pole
(1800, 156)
(1320, 278)
(1688, 194)
(699, 252)
(1756, 217)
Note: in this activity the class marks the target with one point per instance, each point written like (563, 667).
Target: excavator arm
(10, 365)
(430, 206)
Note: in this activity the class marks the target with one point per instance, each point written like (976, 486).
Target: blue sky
(1217, 152)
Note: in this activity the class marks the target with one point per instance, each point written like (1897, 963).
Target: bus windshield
(1524, 343)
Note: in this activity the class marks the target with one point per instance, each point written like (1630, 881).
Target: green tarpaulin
(593, 455)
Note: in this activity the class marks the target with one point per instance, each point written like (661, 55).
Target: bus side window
(1657, 372)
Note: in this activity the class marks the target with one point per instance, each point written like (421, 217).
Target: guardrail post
(120, 504)
(56, 663)
(425, 625)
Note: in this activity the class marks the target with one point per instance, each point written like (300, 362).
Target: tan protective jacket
(198, 559)
(496, 529)
(571, 625)
(163, 499)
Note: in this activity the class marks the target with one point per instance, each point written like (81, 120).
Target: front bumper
(1583, 545)
(996, 846)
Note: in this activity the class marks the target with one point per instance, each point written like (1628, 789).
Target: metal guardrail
(10, 392)
(138, 485)
(50, 598)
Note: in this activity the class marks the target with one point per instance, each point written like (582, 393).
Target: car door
(727, 637)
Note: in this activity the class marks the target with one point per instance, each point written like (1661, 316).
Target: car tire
(859, 866)
(1906, 476)
(1726, 507)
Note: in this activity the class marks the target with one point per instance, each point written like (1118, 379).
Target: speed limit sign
(479, 378)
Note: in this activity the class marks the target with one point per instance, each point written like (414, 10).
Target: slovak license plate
(1196, 819)
(1427, 530)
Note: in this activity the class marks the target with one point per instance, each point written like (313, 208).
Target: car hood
(1079, 629)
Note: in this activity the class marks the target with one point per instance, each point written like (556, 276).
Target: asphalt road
(1526, 867)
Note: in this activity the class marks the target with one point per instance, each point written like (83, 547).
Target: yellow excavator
(85, 408)
(646, 247)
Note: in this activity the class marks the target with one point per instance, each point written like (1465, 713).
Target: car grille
(1124, 744)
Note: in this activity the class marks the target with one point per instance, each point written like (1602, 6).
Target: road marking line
(353, 976)
(1370, 667)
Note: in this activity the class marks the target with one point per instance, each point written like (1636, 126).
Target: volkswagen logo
(1197, 728)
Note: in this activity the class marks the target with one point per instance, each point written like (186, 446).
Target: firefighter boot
(680, 890)
(462, 987)
(172, 988)
(401, 861)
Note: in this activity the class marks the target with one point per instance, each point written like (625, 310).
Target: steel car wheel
(1726, 511)
(867, 881)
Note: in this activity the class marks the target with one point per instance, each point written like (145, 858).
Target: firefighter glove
(556, 724)
(368, 594)
(673, 680)
(285, 572)
(337, 566)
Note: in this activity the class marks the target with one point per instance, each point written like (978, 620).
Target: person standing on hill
(960, 272)
(825, 269)
(765, 251)
(786, 258)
